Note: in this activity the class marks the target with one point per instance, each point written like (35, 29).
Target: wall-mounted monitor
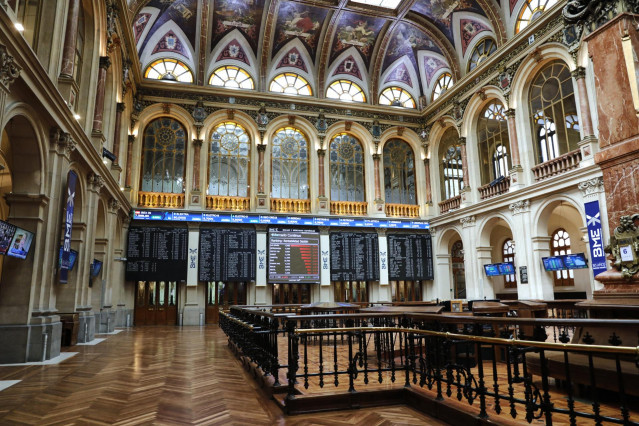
(73, 255)
(293, 256)
(96, 267)
(507, 268)
(575, 261)
(553, 263)
(7, 231)
(491, 270)
(20, 244)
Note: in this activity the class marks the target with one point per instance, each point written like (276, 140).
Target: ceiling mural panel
(400, 74)
(245, 15)
(171, 43)
(293, 59)
(432, 65)
(234, 51)
(358, 31)
(296, 20)
(182, 12)
(440, 12)
(468, 30)
(407, 40)
(348, 67)
(141, 21)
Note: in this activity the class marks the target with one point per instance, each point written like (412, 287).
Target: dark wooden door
(221, 296)
(156, 303)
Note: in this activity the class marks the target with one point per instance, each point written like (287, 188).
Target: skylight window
(388, 4)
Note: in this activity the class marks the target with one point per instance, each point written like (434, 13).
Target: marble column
(119, 109)
(129, 159)
(579, 75)
(462, 144)
(378, 192)
(197, 147)
(321, 154)
(261, 148)
(512, 138)
(70, 39)
(98, 111)
(429, 196)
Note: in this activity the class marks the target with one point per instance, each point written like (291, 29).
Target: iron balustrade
(482, 361)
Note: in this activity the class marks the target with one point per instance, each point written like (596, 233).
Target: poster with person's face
(20, 244)
(7, 231)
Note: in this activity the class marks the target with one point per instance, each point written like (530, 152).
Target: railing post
(293, 356)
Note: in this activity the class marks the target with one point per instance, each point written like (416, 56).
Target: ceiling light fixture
(19, 27)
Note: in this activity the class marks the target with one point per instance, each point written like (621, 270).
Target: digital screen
(506, 268)
(354, 256)
(7, 231)
(227, 254)
(575, 261)
(293, 256)
(20, 244)
(96, 266)
(157, 254)
(491, 270)
(73, 255)
(410, 257)
(554, 263)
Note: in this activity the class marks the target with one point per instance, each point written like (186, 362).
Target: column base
(30, 343)
(323, 205)
(465, 197)
(262, 203)
(105, 321)
(123, 316)
(69, 90)
(192, 315)
(86, 326)
(516, 178)
(588, 147)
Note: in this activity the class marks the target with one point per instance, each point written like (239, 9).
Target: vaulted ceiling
(322, 40)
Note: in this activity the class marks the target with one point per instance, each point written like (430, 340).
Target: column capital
(377, 156)
(521, 206)
(131, 139)
(261, 147)
(105, 62)
(120, 107)
(197, 143)
(114, 205)
(510, 113)
(592, 186)
(426, 161)
(9, 70)
(578, 73)
(62, 141)
(462, 140)
(321, 152)
(96, 182)
(467, 222)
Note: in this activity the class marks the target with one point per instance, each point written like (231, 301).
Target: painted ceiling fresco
(358, 31)
(425, 37)
(182, 12)
(440, 12)
(304, 22)
(245, 15)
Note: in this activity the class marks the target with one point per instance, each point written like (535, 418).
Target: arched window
(444, 82)
(481, 52)
(396, 96)
(28, 15)
(231, 77)
(399, 173)
(508, 255)
(530, 11)
(229, 161)
(345, 90)
(169, 70)
(492, 142)
(560, 244)
(347, 169)
(291, 84)
(451, 174)
(163, 157)
(290, 165)
(553, 112)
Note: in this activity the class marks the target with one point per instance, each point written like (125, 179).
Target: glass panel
(163, 157)
(172, 293)
(141, 300)
(210, 293)
(399, 168)
(162, 293)
(221, 294)
(395, 96)
(289, 164)
(152, 293)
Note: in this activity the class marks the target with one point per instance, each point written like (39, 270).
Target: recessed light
(19, 27)
(76, 116)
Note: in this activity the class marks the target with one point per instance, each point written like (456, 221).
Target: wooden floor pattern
(163, 376)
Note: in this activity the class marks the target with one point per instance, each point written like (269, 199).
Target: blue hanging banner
(68, 226)
(595, 238)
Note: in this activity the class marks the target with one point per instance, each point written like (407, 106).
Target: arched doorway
(459, 272)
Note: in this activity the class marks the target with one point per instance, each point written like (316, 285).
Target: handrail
(237, 321)
(621, 350)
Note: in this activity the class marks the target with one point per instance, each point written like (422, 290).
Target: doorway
(156, 303)
(459, 272)
(220, 296)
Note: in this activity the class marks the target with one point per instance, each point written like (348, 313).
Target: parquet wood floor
(164, 376)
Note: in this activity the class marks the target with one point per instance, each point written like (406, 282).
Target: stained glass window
(451, 173)
(560, 244)
(345, 90)
(347, 169)
(289, 164)
(229, 161)
(399, 173)
(508, 255)
(169, 70)
(163, 157)
(481, 52)
(444, 82)
(396, 96)
(231, 77)
(531, 10)
(492, 142)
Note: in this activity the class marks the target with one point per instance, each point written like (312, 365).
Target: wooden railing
(557, 165)
(238, 204)
(450, 204)
(284, 205)
(403, 210)
(350, 208)
(492, 190)
(160, 200)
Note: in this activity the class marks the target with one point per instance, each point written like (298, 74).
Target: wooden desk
(405, 309)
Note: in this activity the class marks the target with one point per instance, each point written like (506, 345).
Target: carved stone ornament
(520, 206)
(62, 141)
(199, 113)
(468, 221)
(96, 182)
(591, 186)
(9, 70)
(114, 205)
(593, 13)
(624, 246)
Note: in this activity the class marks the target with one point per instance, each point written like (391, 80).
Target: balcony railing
(238, 204)
(450, 204)
(402, 210)
(286, 205)
(160, 200)
(494, 189)
(557, 165)
(349, 208)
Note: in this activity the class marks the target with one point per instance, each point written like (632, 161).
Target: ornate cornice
(520, 206)
(9, 70)
(578, 73)
(467, 222)
(592, 186)
(105, 62)
(62, 142)
(114, 205)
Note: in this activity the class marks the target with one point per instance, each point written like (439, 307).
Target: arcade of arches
(488, 128)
